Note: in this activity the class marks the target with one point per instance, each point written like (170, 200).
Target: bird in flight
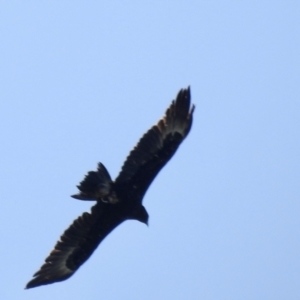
(119, 200)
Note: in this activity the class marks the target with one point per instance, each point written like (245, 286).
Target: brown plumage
(117, 200)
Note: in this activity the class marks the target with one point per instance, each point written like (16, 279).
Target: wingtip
(28, 287)
(188, 94)
(188, 89)
(34, 282)
(31, 284)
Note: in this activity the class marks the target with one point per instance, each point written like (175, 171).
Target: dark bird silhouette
(119, 200)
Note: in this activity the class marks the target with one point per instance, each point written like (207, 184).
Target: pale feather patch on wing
(178, 117)
(58, 265)
(54, 269)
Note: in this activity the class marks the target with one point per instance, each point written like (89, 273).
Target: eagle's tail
(95, 185)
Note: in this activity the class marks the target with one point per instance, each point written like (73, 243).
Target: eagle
(119, 200)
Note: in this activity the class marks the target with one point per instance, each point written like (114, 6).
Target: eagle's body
(117, 200)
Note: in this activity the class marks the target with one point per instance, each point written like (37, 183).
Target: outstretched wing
(158, 145)
(76, 245)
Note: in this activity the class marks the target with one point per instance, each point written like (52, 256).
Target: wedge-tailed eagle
(119, 200)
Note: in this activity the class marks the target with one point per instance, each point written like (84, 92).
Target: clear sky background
(81, 81)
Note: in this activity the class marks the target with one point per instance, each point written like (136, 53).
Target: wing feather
(158, 144)
(76, 245)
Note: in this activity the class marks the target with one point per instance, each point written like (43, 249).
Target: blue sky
(82, 81)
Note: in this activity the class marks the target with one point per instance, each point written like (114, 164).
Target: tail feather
(95, 185)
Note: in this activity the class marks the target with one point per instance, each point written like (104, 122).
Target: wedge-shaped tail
(95, 185)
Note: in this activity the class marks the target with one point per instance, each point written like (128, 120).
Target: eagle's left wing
(76, 245)
(157, 145)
